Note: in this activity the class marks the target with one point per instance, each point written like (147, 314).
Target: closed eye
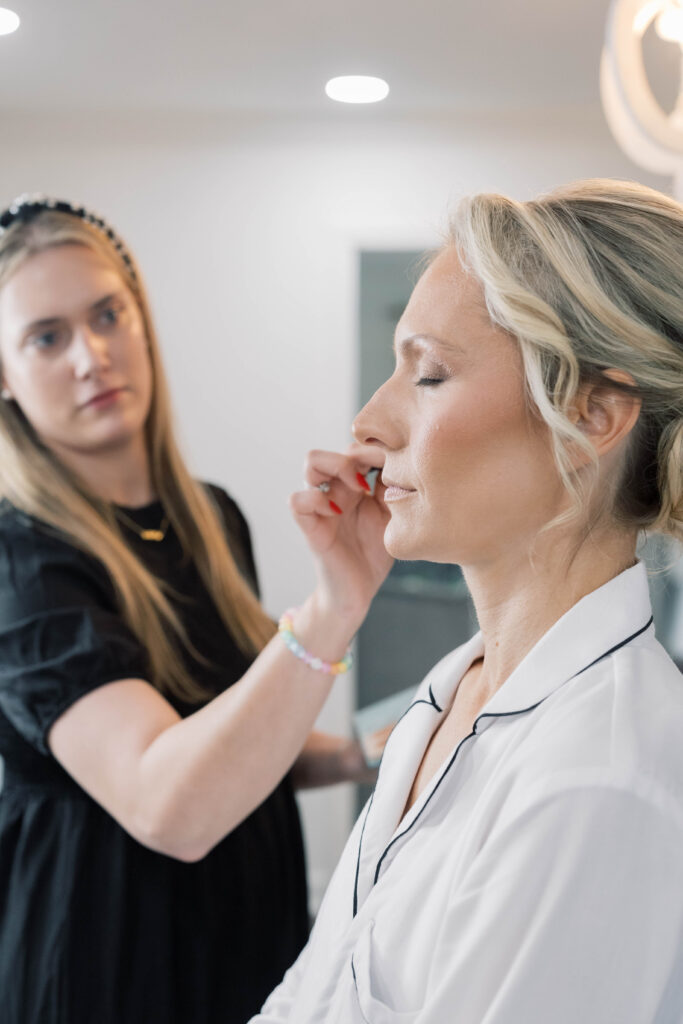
(426, 382)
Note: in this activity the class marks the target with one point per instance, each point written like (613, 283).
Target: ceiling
(275, 55)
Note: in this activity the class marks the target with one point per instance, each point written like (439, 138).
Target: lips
(395, 492)
(109, 393)
(393, 484)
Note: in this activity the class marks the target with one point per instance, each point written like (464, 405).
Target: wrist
(322, 630)
(347, 617)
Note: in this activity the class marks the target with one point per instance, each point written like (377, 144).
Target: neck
(119, 474)
(518, 600)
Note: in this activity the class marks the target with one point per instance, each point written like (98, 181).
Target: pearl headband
(28, 206)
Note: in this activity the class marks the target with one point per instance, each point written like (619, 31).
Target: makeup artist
(151, 861)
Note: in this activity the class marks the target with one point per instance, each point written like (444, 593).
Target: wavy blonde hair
(34, 480)
(589, 278)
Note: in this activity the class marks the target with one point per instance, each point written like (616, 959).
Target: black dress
(94, 927)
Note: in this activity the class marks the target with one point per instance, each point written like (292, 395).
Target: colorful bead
(286, 631)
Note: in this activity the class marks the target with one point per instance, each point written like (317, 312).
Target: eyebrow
(408, 345)
(50, 321)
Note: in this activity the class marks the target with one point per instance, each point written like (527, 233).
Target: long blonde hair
(34, 480)
(587, 278)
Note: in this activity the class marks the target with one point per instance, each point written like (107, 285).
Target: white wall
(248, 231)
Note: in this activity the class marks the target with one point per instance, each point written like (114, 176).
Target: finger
(372, 476)
(364, 454)
(337, 492)
(369, 455)
(315, 518)
(379, 490)
(314, 503)
(324, 466)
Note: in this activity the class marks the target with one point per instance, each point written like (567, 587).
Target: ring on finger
(324, 487)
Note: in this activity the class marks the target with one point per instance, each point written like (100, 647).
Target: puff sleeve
(61, 634)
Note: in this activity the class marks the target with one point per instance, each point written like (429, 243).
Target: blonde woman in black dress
(151, 863)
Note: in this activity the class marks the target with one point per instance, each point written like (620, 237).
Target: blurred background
(278, 230)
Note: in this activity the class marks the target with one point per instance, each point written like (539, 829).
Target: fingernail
(335, 508)
(362, 481)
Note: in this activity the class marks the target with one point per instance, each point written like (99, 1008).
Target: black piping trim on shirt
(355, 985)
(430, 703)
(432, 699)
(360, 843)
(617, 646)
(491, 714)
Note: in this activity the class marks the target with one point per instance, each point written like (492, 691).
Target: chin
(407, 545)
(118, 436)
(404, 545)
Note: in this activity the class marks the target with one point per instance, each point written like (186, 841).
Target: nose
(90, 353)
(377, 422)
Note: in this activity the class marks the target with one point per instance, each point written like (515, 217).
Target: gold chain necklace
(155, 535)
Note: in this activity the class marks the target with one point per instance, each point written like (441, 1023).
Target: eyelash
(54, 335)
(426, 382)
(116, 313)
(110, 315)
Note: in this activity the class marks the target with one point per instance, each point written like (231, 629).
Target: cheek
(40, 387)
(491, 446)
(45, 400)
(136, 359)
(139, 357)
(465, 437)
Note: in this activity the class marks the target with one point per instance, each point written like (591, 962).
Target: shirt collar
(598, 623)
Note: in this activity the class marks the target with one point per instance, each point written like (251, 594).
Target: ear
(605, 415)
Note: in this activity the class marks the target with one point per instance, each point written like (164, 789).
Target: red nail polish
(362, 481)
(335, 508)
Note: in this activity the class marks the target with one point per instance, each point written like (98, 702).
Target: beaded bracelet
(286, 631)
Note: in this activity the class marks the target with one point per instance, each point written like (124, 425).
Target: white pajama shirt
(538, 879)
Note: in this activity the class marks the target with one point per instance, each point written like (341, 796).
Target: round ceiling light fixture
(357, 89)
(9, 21)
(649, 135)
(669, 24)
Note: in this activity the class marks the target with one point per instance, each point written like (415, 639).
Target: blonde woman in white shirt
(521, 860)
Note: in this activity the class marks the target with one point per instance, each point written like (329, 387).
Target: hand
(348, 545)
(354, 766)
(374, 743)
(326, 760)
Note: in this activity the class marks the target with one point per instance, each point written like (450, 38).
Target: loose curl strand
(589, 278)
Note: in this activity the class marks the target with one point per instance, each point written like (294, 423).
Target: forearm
(203, 775)
(326, 760)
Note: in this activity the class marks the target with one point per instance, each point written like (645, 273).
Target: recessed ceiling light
(669, 24)
(9, 21)
(357, 89)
